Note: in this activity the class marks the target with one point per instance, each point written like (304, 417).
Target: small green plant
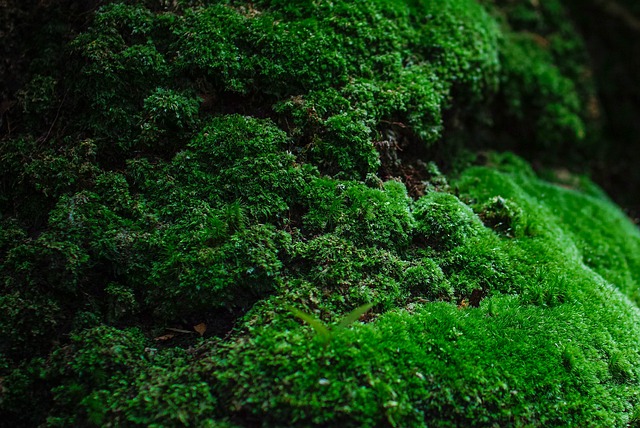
(323, 332)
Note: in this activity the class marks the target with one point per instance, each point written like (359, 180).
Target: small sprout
(354, 315)
(322, 331)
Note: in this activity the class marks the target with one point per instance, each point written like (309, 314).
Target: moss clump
(558, 348)
(442, 221)
(190, 170)
(371, 217)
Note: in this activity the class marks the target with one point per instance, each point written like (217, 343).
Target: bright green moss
(436, 363)
(444, 222)
(217, 163)
(559, 349)
(367, 216)
(588, 229)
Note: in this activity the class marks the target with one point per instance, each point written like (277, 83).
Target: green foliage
(502, 215)
(122, 67)
(173, 395)
(56, 171)
(38, 94)
(547, 98)
(165, 111)
(24, 335)
(121, 301)
(348, 275)
(97, 359)
(24, 392)
(354, 315)
(345, 147)
(436, 363)
(96, 355)
(323, 333)
(587, 229)
(10, 233)
(241, 159)
(424, 277)
(547, 290)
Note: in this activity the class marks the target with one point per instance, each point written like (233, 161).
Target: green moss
(457, 371)
(586, 227)
(444, 222)
(558, 349)
(379, 217)
(539, 96)
(346, 275)
(200, 278)
(215, 163)
(546, 88)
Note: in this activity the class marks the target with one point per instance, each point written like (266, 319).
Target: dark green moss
(223, 168)
(366, 216)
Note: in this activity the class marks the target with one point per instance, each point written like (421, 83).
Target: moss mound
(232, 214)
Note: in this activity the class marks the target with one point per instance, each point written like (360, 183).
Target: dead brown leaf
(200, 328)
(164, 337)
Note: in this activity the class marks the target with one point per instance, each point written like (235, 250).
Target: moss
(546, 353)
(435, 363)
(211, 164)
(443, 221)
(25, 394)
(539, 96)
(583, 223)
(346, 275)
(379, 217)
(547, 90)
(195, 279)
(498, 363)
(95, 360)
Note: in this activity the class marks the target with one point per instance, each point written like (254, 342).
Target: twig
(55, 119)
(618, 11)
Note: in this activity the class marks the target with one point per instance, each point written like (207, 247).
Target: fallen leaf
(463, 304)
(165, 337)
(200, 328)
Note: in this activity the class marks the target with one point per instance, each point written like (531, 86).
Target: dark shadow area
(611, 31)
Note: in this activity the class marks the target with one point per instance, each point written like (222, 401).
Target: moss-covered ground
(309, 213)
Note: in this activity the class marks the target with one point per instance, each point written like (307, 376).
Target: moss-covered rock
(228, 213)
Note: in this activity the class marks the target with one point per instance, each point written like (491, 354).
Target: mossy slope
(214, 164)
